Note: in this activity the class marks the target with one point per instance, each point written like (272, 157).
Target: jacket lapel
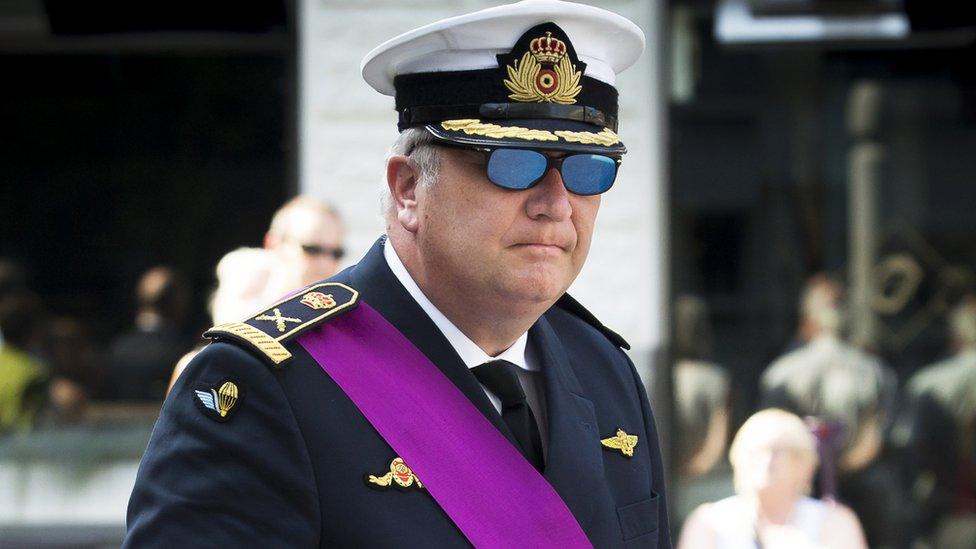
(574, 462)
(379, 287)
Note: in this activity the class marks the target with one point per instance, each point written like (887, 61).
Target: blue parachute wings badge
(208, 399)
(219, 403)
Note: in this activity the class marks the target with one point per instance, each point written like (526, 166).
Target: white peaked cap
(605, 41)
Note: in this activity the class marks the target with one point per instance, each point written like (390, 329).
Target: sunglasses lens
(516, 169)
(316, 250)
(589, 174)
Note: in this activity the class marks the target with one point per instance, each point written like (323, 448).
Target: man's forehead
(307, 222)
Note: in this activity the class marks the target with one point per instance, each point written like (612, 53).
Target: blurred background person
(13, 281)
(821, 309)
(826, 378)
(942, 410)
(242, 277)
(76, 368)
(701, 390)
(23, 378)
(305, 244)
(848, 393)
(774, 457)
(140, 361)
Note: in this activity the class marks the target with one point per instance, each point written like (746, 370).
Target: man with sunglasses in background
(304, 242)
(445, 391)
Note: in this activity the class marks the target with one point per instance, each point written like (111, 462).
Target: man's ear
(403, 177)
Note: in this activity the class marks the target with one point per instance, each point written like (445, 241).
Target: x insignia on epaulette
(268, 331)
(278, 319)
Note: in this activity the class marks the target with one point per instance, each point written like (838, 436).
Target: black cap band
(419, 96)
(413, 116)
(541, 77)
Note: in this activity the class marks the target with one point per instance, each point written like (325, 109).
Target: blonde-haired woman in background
(774, 458)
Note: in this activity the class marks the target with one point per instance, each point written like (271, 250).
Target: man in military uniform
(938, 428)
(444, 391)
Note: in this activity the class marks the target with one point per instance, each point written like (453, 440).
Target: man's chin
(531, 289)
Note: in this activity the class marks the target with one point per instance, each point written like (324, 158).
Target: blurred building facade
(832, 137)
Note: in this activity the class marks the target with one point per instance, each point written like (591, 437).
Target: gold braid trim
(477, 127)
(472, 126)
(607, 137)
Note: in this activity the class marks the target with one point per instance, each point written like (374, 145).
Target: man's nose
(549, 198)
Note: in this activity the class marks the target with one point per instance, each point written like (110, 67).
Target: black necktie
(500, 377)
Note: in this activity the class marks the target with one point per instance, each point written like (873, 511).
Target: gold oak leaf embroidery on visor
(607, 137)
(472, 126)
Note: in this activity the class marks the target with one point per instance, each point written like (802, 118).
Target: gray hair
(772, 426)
(416, 144)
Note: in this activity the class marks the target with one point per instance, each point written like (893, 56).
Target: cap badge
(544, 73)
(278, 319)
(621, 441)
(318, 300)
(219, 401)
(399, 476)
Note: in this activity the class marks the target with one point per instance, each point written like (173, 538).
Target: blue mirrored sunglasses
(519, 169)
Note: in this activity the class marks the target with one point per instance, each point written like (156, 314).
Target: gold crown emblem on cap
(547, 49)
(544, 73)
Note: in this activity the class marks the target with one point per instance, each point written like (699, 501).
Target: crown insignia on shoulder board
(268, 331)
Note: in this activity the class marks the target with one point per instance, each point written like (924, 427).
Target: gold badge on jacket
(621, 441)
(218, 403)
(400, 476)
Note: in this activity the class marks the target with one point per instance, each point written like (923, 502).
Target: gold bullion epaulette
(268, 331)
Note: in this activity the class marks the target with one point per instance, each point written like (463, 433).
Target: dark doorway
(126, 147)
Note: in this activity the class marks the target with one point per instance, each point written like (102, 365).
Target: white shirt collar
(468, 350)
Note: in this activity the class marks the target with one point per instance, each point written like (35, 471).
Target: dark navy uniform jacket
(288, 468)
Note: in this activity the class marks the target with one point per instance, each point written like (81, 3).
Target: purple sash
(490, 491)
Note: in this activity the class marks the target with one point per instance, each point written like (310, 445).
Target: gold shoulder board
(268, 331)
